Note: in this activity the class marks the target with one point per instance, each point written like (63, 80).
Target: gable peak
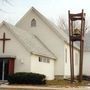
(32, 8)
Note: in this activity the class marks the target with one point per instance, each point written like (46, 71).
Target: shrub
(27, 78)
(85, 77)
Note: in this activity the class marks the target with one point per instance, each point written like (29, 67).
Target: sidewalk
(12, 87)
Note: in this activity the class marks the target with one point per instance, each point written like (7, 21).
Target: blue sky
(52, 9)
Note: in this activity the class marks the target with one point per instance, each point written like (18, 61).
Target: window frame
(33, 22)
(66, 55)
(44, 59)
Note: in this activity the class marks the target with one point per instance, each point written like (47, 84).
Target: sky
(52, 9)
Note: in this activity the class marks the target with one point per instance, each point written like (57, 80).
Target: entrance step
(3, 82)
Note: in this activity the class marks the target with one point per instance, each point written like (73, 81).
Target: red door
(11, 65)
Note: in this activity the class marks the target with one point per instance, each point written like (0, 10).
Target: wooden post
(73, 38)
(81, 49)
(71, 51)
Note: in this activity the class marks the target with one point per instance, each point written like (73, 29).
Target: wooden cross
(4, 39)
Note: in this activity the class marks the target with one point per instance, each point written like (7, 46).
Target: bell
(76, 31)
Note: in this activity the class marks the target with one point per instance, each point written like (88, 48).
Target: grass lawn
(66, 83)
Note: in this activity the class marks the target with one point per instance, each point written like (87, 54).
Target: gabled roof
(29, 41)
(60, 33)
(51, 25)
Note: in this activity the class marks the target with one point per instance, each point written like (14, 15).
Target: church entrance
(6, 67)
(6, 62)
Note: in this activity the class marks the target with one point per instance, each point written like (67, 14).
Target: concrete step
(3, 82)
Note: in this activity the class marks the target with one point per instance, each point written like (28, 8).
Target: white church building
(37, 45)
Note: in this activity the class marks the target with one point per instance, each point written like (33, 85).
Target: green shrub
(84, 77)
(27, 78)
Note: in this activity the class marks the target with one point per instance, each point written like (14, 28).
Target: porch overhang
(7, 56)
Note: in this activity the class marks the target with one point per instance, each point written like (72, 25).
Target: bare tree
(7, 1)
(62, 23)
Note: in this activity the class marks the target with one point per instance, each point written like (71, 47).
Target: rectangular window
(40, 59)
(66, 55)
(48, 61)
(44, 59)
(76, 58)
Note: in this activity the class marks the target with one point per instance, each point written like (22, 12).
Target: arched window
(33, 23)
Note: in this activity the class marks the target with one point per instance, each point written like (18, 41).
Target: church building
(36, 45)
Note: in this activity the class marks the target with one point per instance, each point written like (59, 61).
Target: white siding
(67, 64)
(48, 37)
(42, 67)
(14, 47)
(25, 62)
(76, 62)
(86, 63)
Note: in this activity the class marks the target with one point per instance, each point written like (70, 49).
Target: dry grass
(66, 83)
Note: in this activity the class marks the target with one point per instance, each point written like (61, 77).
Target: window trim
(44, 59)
(66, 51)
(33, 22)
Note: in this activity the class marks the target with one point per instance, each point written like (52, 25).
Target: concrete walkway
(10, 87)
